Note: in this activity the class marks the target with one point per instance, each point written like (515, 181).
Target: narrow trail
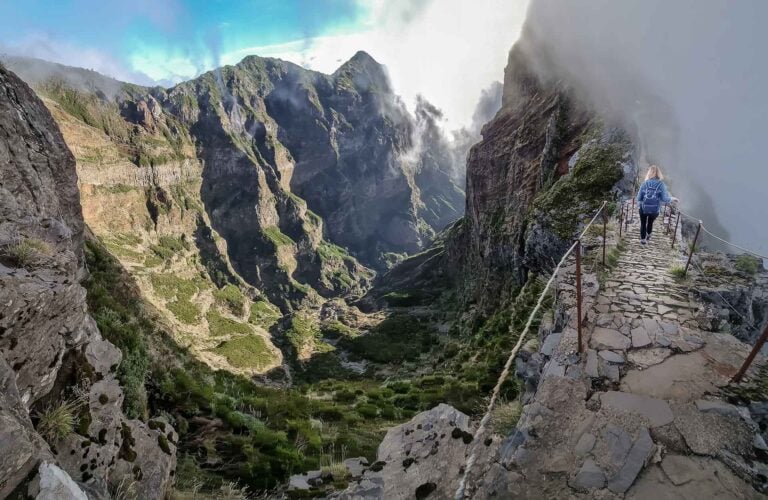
(638, 415)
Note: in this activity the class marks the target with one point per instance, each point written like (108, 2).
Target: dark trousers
(646, 224)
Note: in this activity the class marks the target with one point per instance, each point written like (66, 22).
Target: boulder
(53, 483)
(424, 456)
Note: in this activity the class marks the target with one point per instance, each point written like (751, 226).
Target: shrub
(394, 340)
(263, 314)
(230, 297)
(303, 332)
(336, 329)
(367, 410)
(747, 264)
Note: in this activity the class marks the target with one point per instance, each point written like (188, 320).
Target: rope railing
(480, 431)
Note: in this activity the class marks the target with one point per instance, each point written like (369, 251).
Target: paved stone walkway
(638, 414)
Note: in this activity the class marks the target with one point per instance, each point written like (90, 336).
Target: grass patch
(250, 351)
(219, 326)
(231, 298)
(185, 311)
(396, 339)
(26, 252)
(505, 416)
(58, 421)
(277, 237)
(748, 264)
(678, 272)
(264, 314)
(169, 286)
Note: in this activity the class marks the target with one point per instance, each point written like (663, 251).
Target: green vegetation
(250, 351)
(27, 251)
(677, 272)
(336, 330)
(219, 326)
(185, 311)
(505, 416)
(58, 421)
(119, 323)
(264, 314)
(170, 286)
(748, 264)
(302, 333)
(168, 246)
(396, 339)
(264, 434)
(582, 191)
(406, 298)
(277, 237)
(152, 261)
(231, 298)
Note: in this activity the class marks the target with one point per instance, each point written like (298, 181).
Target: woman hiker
(652, 193)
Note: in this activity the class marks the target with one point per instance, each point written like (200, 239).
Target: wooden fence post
(693, 248)
(578, 293)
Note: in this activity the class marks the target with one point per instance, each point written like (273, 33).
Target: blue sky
(169, 39)
(445, 50)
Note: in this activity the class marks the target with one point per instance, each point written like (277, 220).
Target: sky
(446, 50)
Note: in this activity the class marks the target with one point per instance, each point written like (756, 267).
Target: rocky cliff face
(545, 162)
(243, 195)
(60, 402)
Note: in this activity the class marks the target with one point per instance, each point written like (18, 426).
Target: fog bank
(690, 77)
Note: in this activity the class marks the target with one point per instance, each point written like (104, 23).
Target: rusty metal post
(674, 233)
(752, 354)
(693, 248)
(578, 293)
(605, 225)
(669, 220)
(621, 217)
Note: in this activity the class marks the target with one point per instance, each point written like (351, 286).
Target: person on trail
(651, 195)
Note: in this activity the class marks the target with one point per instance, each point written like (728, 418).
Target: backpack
(651, 203)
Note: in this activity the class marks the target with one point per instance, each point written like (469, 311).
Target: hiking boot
(642, 241)
(648, 238)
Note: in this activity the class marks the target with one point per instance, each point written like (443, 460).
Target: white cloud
(41, 46)
(447, 50)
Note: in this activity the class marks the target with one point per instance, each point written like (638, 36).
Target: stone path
(638, 414)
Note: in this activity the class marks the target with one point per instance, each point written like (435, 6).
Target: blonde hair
(654, 172)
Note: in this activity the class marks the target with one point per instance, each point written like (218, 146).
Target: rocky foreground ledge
(644, 413)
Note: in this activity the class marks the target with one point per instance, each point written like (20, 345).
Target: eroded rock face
(51, 351)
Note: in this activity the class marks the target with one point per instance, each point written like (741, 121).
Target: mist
(688, 78)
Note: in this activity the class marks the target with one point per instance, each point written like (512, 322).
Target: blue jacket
(657, 186)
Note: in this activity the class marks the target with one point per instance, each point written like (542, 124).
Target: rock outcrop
(60, 402)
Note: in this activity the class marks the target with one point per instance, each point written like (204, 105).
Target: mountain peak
(365, 71)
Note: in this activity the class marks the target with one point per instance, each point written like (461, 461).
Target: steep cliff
(546, 160)
(60, 402)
